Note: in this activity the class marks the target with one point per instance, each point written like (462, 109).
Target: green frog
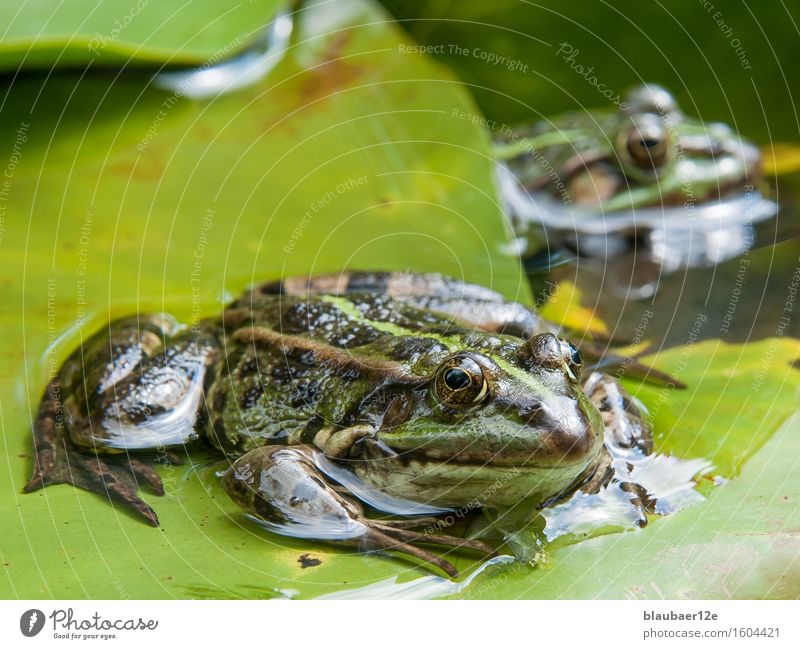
(647, 164)
(412, 393)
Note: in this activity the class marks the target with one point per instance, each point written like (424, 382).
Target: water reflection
(422, 588)
(245, 69)
(666, 482)
(741, 299)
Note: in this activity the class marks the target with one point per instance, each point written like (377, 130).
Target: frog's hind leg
(386, 537)
(123, 391)
(284, 491)
(58, 461)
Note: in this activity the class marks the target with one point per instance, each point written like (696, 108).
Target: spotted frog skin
(414, 394)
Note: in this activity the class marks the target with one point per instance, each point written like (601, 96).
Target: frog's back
(307, 352)
(294, 364)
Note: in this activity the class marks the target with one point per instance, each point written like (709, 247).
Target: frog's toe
(94, 474)
(640, 499)
(168, 457)
(113, 481)
(390, 537)
(47, 438)
(145, 473)
(440, 522)
(378, 539)
(601, 476)
(447, 540)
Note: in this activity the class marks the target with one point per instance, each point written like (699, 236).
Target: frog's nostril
(532, 414)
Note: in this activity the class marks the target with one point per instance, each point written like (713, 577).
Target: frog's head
(513, 413)
(646, 154)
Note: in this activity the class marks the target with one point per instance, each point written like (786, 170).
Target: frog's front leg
(628, 436)
(627, 429)
(285, 490)
(130, 388)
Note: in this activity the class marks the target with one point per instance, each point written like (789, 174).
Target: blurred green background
(735, 62)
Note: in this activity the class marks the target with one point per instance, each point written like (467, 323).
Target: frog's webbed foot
(284, 491)
(602, 474)
(135, 386)
(57, 461)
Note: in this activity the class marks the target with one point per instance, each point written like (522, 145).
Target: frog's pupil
(456, 379)
(650, 143)
(576, 357)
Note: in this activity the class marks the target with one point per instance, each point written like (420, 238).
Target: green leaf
(122, 197)
(48, 33)
(737, 396)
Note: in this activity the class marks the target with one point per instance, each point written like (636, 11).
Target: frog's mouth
(578, 459)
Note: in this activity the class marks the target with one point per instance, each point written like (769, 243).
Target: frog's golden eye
(647, 144)
(460, 382)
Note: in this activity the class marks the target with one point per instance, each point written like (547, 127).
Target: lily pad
(123, 197)
(48, 33)
(737, 397)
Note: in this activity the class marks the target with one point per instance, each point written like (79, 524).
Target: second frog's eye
(460, 382)
(646, 144)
